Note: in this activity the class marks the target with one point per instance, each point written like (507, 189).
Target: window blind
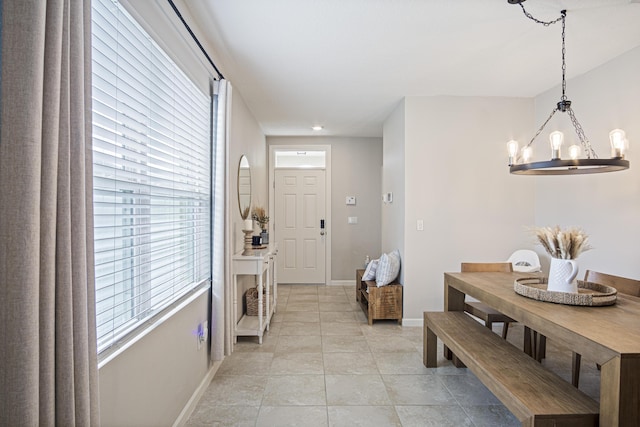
(151, 175)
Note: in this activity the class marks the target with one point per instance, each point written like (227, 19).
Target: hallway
(321, 364)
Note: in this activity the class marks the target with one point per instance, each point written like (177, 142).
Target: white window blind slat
(152, 195)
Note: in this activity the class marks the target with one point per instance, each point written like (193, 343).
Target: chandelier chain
(537, 21)
(542, 127)
(584, 141)
(564, 105)
(564, 64)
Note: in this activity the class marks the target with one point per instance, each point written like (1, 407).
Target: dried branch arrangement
(260, 216)
(563, 244)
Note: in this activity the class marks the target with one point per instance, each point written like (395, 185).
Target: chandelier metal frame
(556, 166)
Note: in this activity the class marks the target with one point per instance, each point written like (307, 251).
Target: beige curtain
(48, 368)
(222, 323)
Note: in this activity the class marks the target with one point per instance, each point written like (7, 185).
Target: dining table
(608, 335)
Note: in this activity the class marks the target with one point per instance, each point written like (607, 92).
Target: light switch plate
(352, 220)
(351, 200)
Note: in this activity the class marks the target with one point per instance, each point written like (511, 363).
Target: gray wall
(457, 181)
(455, 178)
(356, 171)
(150, 383)
(245, 137)
(393, 181)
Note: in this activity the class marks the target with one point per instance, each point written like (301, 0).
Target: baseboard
(342, 283)
(195, 397)
(412, 322)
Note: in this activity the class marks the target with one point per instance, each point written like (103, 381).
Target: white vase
(562, 275)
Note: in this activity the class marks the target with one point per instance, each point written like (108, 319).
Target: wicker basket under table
(251, 301)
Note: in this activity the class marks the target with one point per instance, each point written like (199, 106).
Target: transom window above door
(300, 159)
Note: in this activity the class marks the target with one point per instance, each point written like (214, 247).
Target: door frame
(327, 206)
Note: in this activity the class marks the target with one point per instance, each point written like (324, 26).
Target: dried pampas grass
(563, 244)
(260, 216)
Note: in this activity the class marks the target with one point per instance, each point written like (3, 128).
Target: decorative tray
(589, 293)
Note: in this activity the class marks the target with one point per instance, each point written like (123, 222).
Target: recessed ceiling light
(316, 127)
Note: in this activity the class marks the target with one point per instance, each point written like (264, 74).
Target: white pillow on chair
(388, 268)
(370, 271)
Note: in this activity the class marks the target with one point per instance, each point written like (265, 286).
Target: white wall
(606, 206)
(457, 181)
(355, 168)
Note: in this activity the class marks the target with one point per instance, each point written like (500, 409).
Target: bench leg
(447, 353)
(457, 362)
(430, 349)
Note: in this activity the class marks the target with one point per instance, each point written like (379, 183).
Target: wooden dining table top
(602, 332)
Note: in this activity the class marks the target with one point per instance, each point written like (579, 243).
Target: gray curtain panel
(48, 372)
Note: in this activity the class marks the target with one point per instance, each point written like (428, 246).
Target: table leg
(575, 369)
(528, 344)
(619, 391)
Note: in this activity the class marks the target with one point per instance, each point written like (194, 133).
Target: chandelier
(520, 160)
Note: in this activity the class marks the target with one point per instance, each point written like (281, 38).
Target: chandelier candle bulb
(618, 142)
(512, 147)
(574, 151)
(556, 138)
(527, 153)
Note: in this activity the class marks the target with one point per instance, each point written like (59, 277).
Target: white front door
(299, 212)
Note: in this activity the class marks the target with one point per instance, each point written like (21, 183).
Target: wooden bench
(535, 395)
(379, 303)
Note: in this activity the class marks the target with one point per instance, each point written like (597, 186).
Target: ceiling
(345, 64)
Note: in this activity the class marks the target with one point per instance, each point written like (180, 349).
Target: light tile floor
(321, 364)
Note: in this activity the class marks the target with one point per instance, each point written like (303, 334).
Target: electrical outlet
(198, 342)
(420, 225)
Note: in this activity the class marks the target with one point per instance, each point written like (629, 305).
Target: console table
(261, 264)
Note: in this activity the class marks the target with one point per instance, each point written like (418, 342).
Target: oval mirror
(244, 187)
